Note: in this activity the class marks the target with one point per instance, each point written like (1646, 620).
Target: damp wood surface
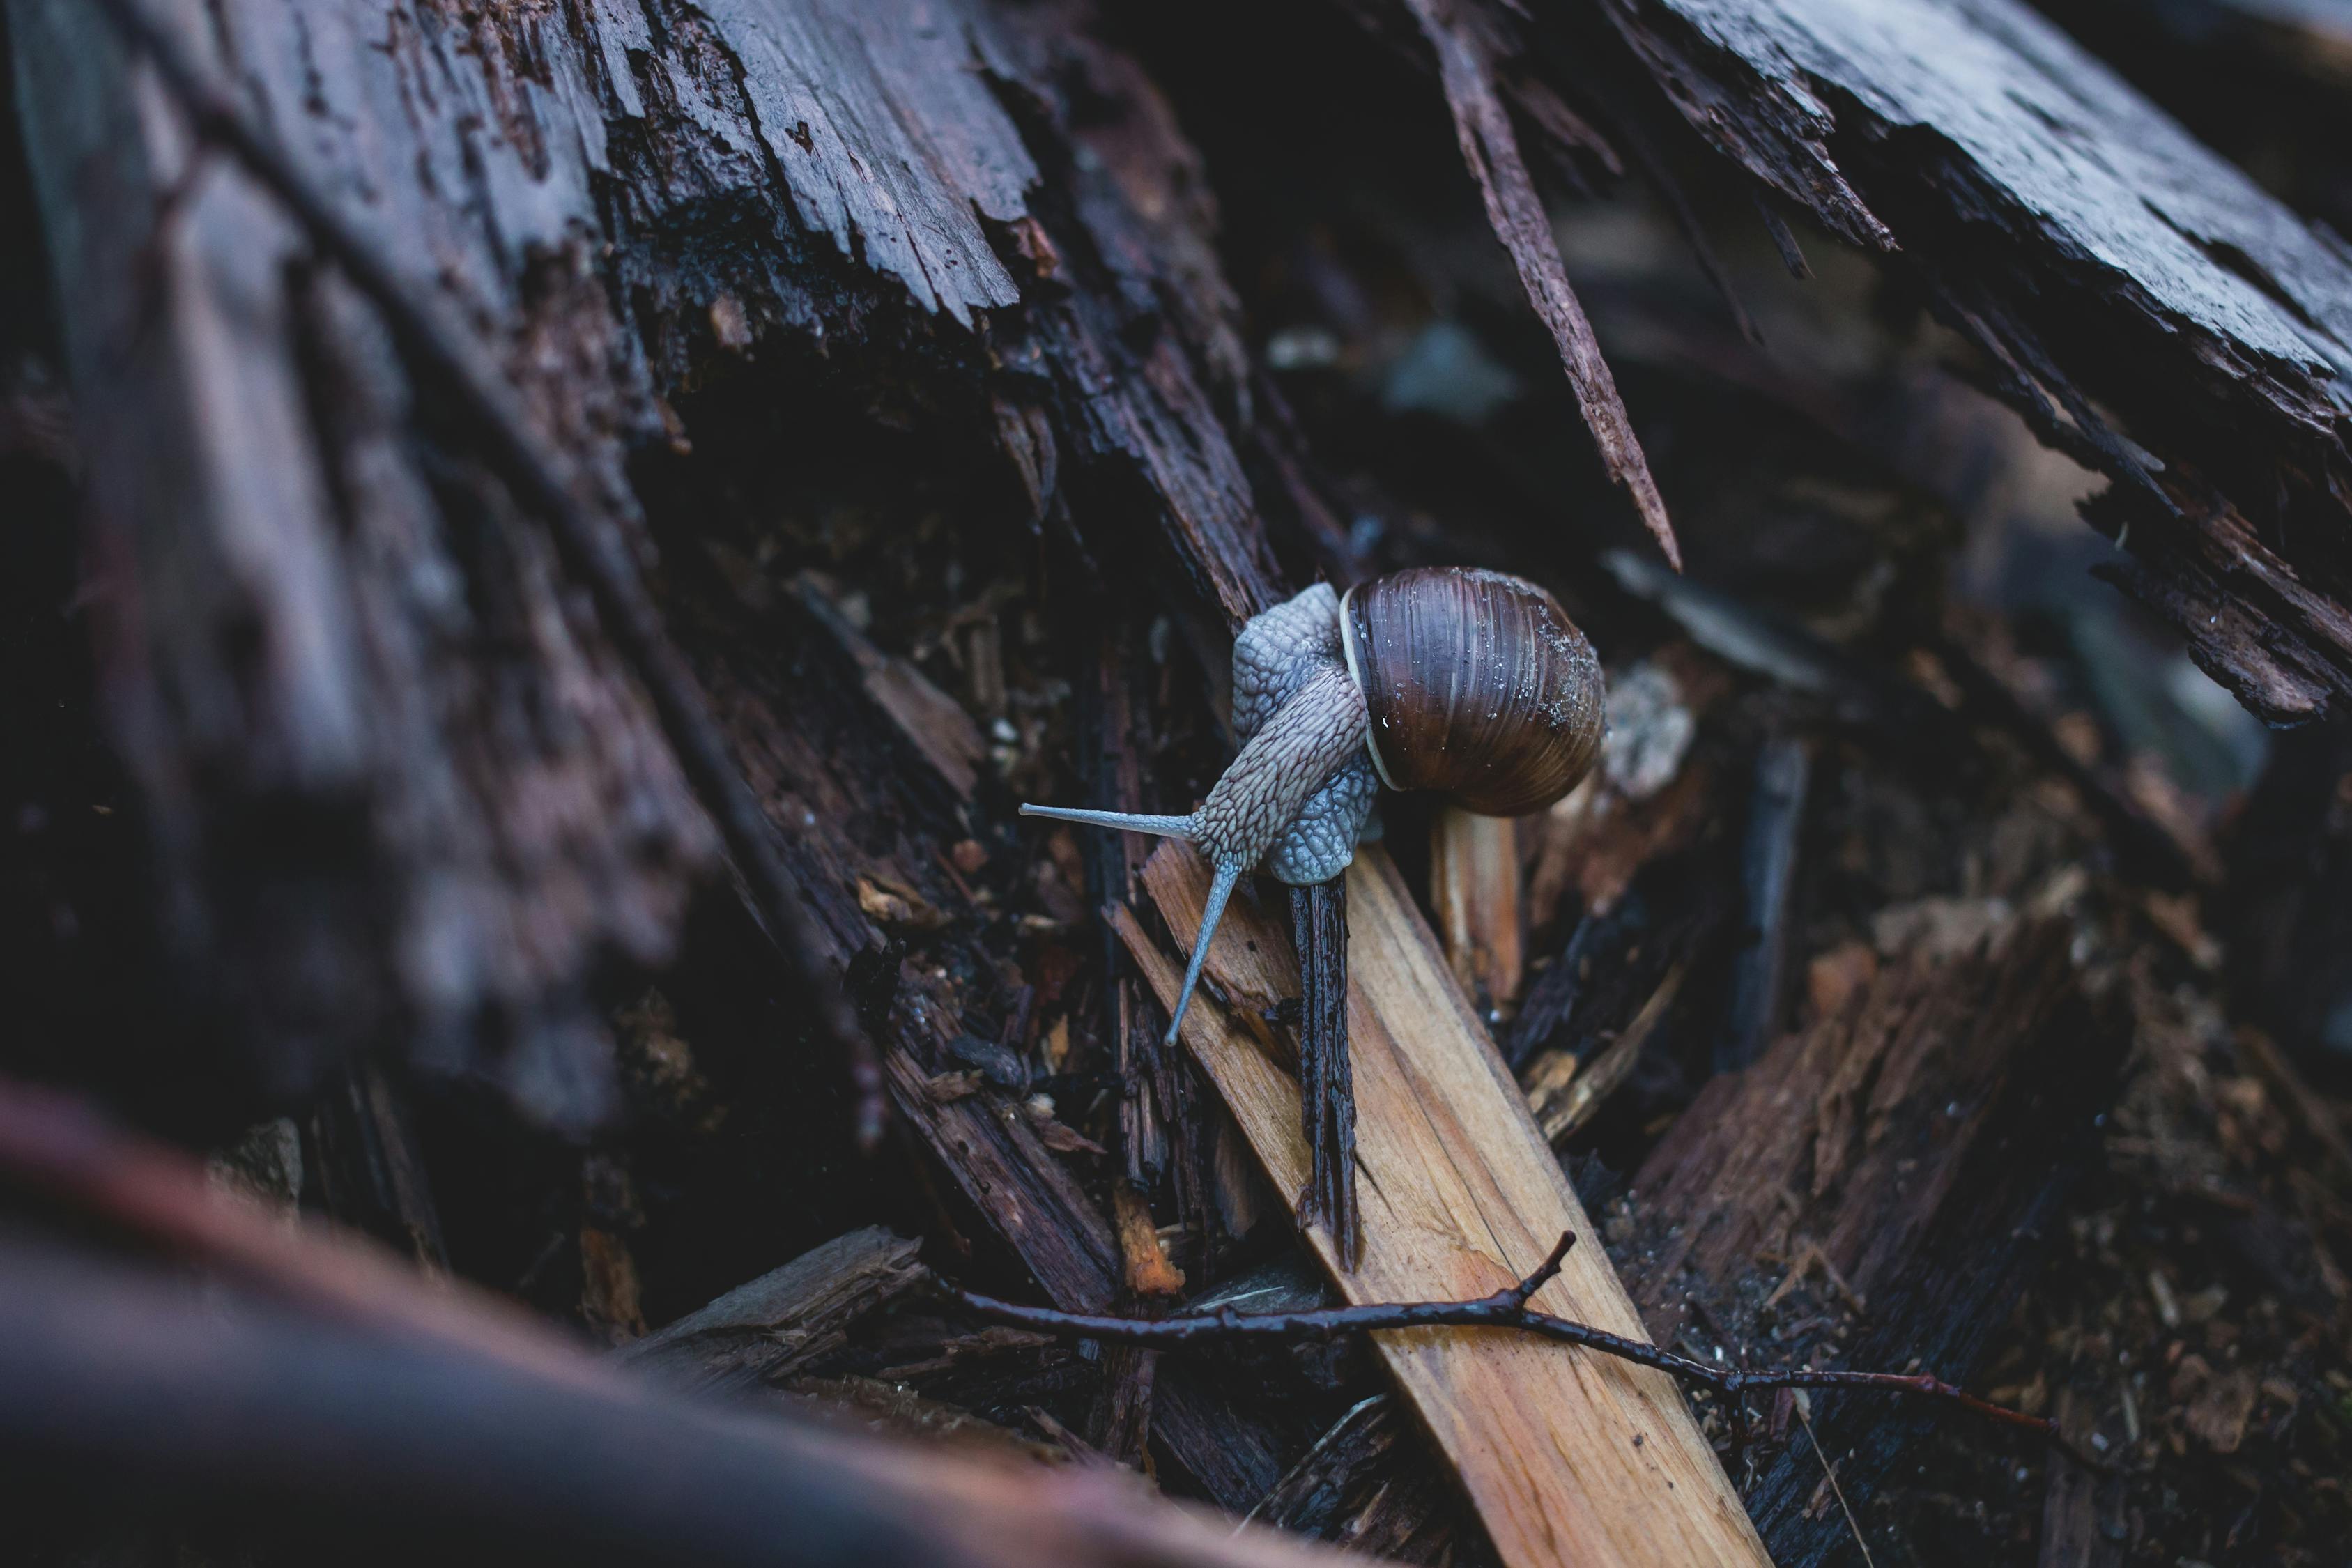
(1567, 1458)
(2144, 303)
(1874, 1189)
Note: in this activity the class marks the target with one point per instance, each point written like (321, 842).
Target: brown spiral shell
(1478, 685)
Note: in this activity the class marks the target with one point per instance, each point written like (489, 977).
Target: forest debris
(1507, 1420)
(934, 723)
(1474, 889)
(994, 1339)
(366, 1167)
(610, 1296)
(768, 1330)
(264, 1165)
(882, 1408)
(1639, 801)
(1360, 1485)
(1148, 1272)
(1833, 978)
(1938, 926)
(2196, 270)
(1326, 1097)
(1909, 1175)
(1776, 817)
(2214, 1406)
(1490, 147)
(1060, 1136)
(1506, 1306)
(1564, 1099)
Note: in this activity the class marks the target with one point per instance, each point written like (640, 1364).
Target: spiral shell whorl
(1478, 686)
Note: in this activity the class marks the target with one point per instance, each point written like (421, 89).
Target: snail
(1472, 683)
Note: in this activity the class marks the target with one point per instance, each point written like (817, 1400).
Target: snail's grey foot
(1321, 840)
(1277, 653)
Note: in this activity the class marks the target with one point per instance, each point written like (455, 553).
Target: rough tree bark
(2144, 304)
(406, 797)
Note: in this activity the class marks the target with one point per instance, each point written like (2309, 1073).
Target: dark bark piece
(1160, 1132)
(1326, 1103)
(2107, 258)
(1776, 817)
(1874, 1189)
(1363, 1487)
(2082, 1518)
(776, 1326)
(934, 723)
(370, 685)
(1565, 1091)
(363, 1160)
(1120, 1425)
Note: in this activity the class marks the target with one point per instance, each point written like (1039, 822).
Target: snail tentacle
(1313, 735)
(1184, 827)
(1221, 889)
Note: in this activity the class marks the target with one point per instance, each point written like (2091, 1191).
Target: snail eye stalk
(1165, 827)
(1221, 890)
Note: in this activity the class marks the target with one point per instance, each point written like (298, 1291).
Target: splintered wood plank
(1570, 1457)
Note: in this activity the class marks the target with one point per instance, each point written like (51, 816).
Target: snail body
(1471, 683)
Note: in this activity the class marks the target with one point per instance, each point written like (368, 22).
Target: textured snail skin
(1267, 790)
(1275, 654)
(1478, 686)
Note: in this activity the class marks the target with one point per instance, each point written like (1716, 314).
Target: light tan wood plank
(1474, 889)
(1570, 1457)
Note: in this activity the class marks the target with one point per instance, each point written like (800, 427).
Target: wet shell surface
(1478, 686)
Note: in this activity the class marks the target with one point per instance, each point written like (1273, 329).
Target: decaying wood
(2082, 1515)
(488, 1421)
(1875, 1187)
(1327, 1102)
(413, 796)
(1564, 1091)
(1361, 1488)
(1474, 889)
(1461, 1196)
(2139, 300)
(360, 1154)
(768, 1329)
(1776, 817)
(290, 652)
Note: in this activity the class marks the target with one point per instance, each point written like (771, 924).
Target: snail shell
(1478, 687)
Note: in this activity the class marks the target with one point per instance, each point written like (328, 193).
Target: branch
(451, 355)
(1505, 1308)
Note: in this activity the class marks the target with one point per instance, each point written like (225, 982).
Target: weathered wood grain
(1567, 1457)
(342, 665)
(2143, 302)
(1875, 1189)
(1473, 886)
(772, 1327)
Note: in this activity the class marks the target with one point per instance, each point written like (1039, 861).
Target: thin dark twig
(543, 483)
(1326, 1097)
(1505, 1308)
